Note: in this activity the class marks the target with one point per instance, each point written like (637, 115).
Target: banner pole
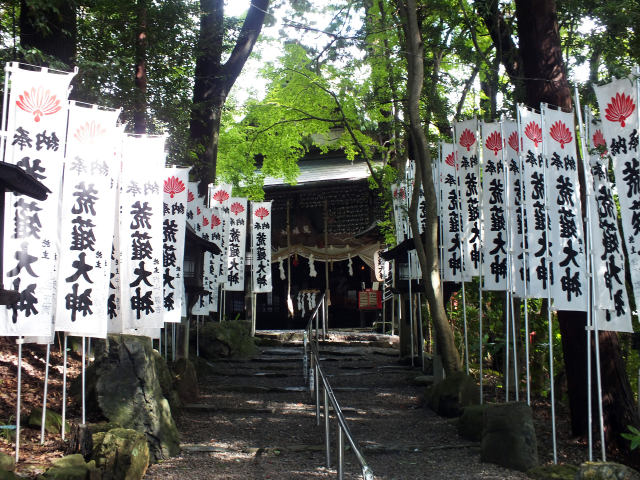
(173, 342)
(543, 107)
(5, 110)
(160, 341)
(525, 258)
(44, 400)
(19, 392)
(166, 341)
(83, 381)
(64, 385)
(197, 335)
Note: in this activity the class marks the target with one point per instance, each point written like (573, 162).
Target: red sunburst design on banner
(88, 132)
(215, 221)
(220, 196)
(261, 213)
(467, 139)
(402, 193)
(599, 141)
(205, 221)
(619, 108)
(173, 185)
(533, 133)
(198, 211)
(190, 196)
(560, 133)
(236, 208)
(451, 160)
(40, 102)
(513, 141)
(494, 142)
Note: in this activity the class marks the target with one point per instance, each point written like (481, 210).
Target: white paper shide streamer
(89, 198)
(37, 115)
(173, 236)
(261, 246)
(141, 199)
(237, 244)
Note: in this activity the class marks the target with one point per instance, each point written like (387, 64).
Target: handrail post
(340, 452)
(327, 432)
(324, 318)
(317, 385)
(305, 360)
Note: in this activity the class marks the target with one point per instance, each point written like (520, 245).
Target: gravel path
(254, 420)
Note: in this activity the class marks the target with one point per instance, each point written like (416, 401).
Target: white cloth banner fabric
(612, 310)
(382, 267)
(174, 210)
(567, 246)
(141, 199)
(422, 205)
(214, 299)
(89, 197)
(195, 204)
(218, 221)
(514, 210)
(201, 307)
(450, 214)
(495, 243)
(618, 102)
(535, 216)
(209, 269)
(261, 246)
(36, 126)
(466, 135)
(114, 303)
(236, 249)
(399, 199)
(220, 199)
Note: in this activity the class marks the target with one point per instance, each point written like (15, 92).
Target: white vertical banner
(219, 201)
(399, 199)
(141, 200)
(567, 246)
(174, 209)
(381, 266)
(261, 246)
(237, 244)
(450, 214)
(201, 307)
(612, 309)
(514, 210)
(495, 243)
(217, 237)
(209, 268)
(36, 127)
(114, 302)
(618, 102)
(89, 196)
(534, 209)
(466, 134)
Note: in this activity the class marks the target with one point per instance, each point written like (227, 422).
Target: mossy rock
(7, 462)
(121, 454)
(72, 467)
(167, 382)
(449, 397)
(186, 380)
(52, 421)
(470, 423)
(102, 427)
(553, 472)
(7, 475)
(606, 471)
(226, 339)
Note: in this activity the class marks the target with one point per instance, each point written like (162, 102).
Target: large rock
(7, 462)
(7, 475)
(166, 380)
(125, 388)
(72, 467)
(226, 339)
(449, 397)
(121, 454)
(606, 471)
(52, 421)
(186, 380)
(470, 422)
(509, 437)
(553, 472)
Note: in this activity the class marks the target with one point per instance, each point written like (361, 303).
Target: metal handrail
(316, 376)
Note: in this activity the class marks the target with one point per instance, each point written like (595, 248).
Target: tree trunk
(50, 27)
(140, 100)
(546, 82)
(213, 79)
(427, 251)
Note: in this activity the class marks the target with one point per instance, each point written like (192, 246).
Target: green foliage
(633, 436)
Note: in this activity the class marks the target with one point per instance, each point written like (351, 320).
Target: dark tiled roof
(325, 170)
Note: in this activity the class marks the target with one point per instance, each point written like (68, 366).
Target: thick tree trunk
(546, 82)
(140, 100)
(427, 251)
(50, 27)
(213, 79)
